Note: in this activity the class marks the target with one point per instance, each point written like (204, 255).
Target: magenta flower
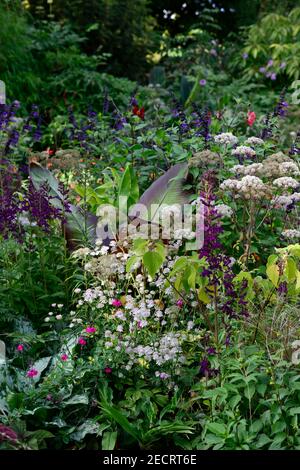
(81, 341)
(116, 303)
(108, 370)
(32, 373)
(20, 347)
(64, 357)
(90, 329)
(179, 303)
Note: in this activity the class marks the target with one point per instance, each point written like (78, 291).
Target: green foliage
(276, 36)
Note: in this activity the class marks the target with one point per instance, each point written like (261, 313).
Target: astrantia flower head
(244, 150)
(254, 141)
(116, 303)
(286, 182)
(20, 347)
(82, 341)
(108, 370)
(64, 357)
(226, 138)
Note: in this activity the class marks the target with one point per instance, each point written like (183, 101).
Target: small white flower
(77, 290)
(47, 319)
(58, 317)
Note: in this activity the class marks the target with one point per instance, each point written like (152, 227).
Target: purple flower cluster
(10, 205)
(219, 269)
(269, 71)
(119, 121)
(81, 133)
(281, 107)
(7, 126)
(34, 118)
(202, 121)
(178, 112)
(36, 204)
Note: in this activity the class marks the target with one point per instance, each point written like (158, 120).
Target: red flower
(108, 370)
(251, 117)
(140, 112)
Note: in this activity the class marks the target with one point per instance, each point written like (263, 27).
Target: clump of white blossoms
(224, 210)
(291, 233)
(226, 138)
(289, 168)
(285, 200)
(272, 164)
(249, 187)
(254, 141)
(243, 150)
(286, 182)
(253, 169)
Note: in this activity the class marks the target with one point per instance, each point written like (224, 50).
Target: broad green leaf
(152, 262)
(109, 440)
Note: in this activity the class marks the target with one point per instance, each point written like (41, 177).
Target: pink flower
(251, 117)
(179, 303)
(90, 329)
(82, 341)
(20, 347)
(108, 370)
(64, 357)
(116, 303)
(32, 373)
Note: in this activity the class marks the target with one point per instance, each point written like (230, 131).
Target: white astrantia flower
(243, 150)
(254, 169)
(249, 187)
(289, 168)
(286, 182)
(291, 233)
(224, 210)
(226, 138)
(254, 141)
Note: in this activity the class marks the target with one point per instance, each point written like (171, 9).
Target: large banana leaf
(80, 226)
(168, 189)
